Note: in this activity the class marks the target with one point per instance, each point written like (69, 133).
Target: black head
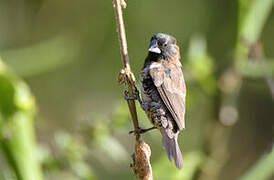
(162, 45)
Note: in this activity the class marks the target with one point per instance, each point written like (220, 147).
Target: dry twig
(141, 164)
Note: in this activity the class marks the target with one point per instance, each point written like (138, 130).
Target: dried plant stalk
(141, 157)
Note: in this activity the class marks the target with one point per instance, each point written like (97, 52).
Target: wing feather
(169, 80)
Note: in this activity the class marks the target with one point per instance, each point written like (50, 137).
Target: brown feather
(169, 80)
(163, 92)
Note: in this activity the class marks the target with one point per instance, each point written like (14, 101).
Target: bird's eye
(165, 44)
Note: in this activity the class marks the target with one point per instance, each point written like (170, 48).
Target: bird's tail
(172, 149)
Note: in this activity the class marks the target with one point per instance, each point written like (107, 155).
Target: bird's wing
(170, 84)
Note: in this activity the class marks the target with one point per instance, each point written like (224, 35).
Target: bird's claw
(144, 106)
(141, 130)
(127, 97)
(130, 97)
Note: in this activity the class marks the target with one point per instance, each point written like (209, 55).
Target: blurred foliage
(72, 153)
(16, 126)
(201, 65)
(49, 54)
(68, 54)
(263, 169)
(192, 161)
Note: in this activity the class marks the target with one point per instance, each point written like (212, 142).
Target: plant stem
(141, 157)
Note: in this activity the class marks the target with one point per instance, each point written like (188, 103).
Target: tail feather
(172, 149)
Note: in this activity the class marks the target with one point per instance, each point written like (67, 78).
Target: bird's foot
(127, 97)
(138, 98)
(141, 130)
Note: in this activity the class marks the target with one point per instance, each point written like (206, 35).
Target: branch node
(141, 161)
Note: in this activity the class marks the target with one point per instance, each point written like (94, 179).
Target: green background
(67, 53)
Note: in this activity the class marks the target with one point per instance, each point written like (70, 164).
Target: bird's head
(162, 45)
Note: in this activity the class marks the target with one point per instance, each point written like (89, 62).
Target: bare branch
(141, 157)
(121, 32)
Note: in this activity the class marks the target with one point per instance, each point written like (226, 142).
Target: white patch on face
(154, 65)
(155, 50)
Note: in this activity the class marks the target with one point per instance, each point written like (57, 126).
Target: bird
(163, 92)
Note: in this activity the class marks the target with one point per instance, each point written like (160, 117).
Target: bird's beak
(153, 47)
